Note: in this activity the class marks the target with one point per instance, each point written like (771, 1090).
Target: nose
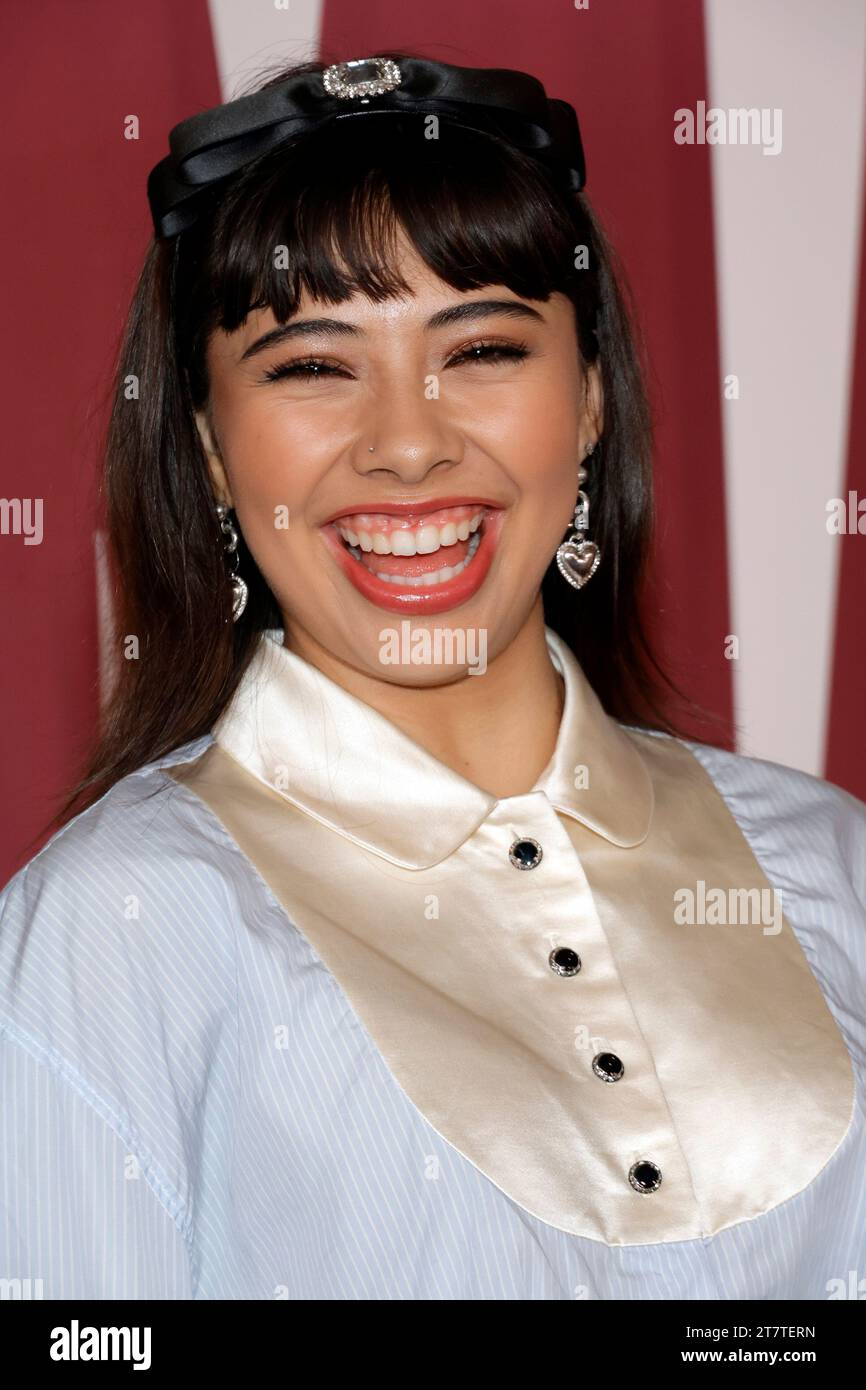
(410, 434)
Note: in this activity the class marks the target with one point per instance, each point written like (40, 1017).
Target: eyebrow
(445, 318)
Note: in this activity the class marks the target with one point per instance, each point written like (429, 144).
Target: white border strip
(788, 249)
(250, 37)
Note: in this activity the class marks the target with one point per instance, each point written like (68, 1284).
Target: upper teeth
(420, 540)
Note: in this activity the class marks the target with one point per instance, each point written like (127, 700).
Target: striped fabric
(191, 1108)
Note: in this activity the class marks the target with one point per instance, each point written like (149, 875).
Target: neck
(497, 730)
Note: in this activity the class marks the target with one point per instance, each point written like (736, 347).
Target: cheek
(537, 440)
(274, 465)
(535, 417)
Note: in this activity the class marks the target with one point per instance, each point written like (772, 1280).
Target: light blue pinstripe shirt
(148, 1150)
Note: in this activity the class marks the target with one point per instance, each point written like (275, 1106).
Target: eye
(317, 368)
(304, 369)
(490, 352)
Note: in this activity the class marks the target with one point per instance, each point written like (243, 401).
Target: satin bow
(210, 146)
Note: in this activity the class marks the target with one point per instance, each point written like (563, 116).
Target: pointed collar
(340, 761)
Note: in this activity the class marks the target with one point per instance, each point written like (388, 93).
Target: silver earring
(240, 592)
(578, 557)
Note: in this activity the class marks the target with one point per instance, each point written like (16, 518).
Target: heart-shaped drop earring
(578, 557)
(240, 592)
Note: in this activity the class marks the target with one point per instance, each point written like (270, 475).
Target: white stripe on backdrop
(787, 248)
(787, 244)
(249, 36)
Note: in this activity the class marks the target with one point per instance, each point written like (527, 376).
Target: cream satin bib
(609, 1011)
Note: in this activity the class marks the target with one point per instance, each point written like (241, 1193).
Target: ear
(218, 476)
(595, 399)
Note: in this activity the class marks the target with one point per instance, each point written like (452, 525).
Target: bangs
(324, 215)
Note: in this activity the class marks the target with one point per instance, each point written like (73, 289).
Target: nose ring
(372, 448)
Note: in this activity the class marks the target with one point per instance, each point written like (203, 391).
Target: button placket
(644, 1175)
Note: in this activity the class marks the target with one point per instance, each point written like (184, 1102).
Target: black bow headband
(216, 143)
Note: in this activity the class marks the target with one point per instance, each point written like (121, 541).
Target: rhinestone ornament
(337, 82)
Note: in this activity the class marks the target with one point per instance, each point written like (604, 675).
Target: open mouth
(424, 563)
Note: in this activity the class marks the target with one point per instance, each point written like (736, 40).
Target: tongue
(413, 565)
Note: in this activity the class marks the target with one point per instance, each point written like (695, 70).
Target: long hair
(479, 212)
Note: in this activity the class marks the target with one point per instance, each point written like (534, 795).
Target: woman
(397, 946)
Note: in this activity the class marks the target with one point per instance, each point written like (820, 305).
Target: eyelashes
(304, 369)
(318, 368)
(490, 352)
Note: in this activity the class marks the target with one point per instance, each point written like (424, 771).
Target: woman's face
(438, 435)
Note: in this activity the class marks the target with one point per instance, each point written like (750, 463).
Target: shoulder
(808, 812)
(116, 938)
(804, 827)
(142, 834)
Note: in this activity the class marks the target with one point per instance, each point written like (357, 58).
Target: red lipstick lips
(408, 598)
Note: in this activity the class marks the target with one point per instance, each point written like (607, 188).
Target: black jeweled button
(645, 1176)
(525, 854)
(564, 961)
(608, 1066)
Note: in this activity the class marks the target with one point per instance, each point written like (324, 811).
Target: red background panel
(74, 232)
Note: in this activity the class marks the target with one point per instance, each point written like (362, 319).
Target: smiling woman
(334, 321)
(388, 973)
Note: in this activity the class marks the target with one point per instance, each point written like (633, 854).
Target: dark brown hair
(479, 212)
